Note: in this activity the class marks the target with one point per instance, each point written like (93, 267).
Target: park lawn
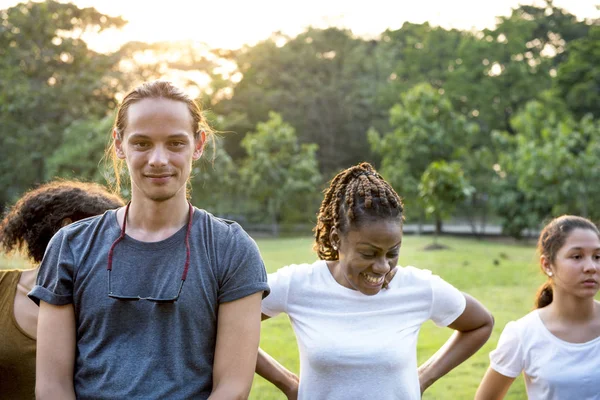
(504, 277)
(16, 261)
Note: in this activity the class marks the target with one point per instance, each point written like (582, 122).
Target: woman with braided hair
(356, 340)
(29, 225)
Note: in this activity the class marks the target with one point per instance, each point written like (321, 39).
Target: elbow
(486, 321)
(482, 331)
(487, 327)
(483, 325)
(490, 322)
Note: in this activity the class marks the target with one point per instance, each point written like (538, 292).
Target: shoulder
(411, 272)
(520, 334)
(413, 277)
(88, 226)
(76, 239)
(300, 271)
(523, 327)
(301, 277)
(220, 228)
(527, 321)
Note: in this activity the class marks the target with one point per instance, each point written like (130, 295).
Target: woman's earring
(334, 247)
(549, 273)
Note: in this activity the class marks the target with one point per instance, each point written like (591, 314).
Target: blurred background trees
(496, 125)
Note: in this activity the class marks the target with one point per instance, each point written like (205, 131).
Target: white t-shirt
(553, 369)
(354, 346)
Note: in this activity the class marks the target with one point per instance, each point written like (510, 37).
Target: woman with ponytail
(556, 346)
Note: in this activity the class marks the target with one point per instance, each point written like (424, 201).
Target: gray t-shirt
(140, 349)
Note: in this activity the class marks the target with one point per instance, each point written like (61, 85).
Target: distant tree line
(500, 124)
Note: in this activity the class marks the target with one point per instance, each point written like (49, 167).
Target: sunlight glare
(233, 24)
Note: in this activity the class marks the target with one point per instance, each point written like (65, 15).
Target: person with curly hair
(28, 226)
(356, 340)
(158, 299)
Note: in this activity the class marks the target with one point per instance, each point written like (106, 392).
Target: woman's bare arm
(473, 328)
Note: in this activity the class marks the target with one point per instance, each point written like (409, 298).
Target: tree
(425, 129)
(81, 152)
(323, 82)
(48, 79)
(547, 168)
(278, 170)
(442, 187)
(578, 78)
(497, 71)
(413, 54)
(216, 184)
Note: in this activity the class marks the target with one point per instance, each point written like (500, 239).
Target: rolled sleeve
(243, 270)
(54, 284)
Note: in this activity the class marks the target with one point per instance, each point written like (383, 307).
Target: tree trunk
(274, 227)
(274, 212)
(420, 224)
(438, 226)
(483, 216)
(584, 201)
(438, 229)
(472, 217)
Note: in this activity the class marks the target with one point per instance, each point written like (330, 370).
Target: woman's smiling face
(367, 253)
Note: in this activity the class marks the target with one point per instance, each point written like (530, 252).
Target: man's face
(159, 146)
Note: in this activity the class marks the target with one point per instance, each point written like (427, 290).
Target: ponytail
(544, 295)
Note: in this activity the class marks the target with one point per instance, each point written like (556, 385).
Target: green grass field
(504, 277)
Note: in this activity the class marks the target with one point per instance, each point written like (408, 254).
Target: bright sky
(232, 23)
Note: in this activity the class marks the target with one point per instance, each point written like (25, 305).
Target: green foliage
(278, 171)
(84, 143)
(547, 168)
(216, 184)
(578, 78)
(48, 79)
(322, 82)
(413, 54)
(434, 94)
(425, 129)
(442, 187)
(497, 71)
